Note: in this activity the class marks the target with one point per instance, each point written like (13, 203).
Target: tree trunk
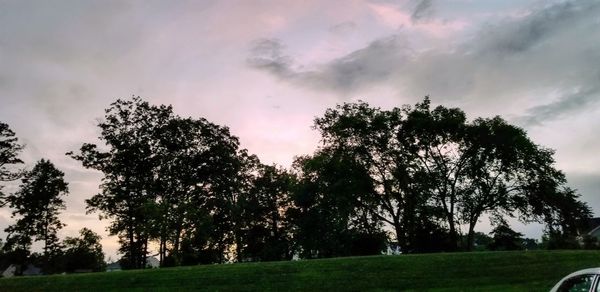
(399, 234)
(453, 236)
(133, 260)
(176, 243)
(471, 235)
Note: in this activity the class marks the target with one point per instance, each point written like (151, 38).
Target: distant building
(594, 227)
(10, 271)
(152, 262)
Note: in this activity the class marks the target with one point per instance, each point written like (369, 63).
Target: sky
(266, 69)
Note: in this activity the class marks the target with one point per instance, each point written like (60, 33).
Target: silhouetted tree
(265, 234)
(170, 179)
(128, 195)
(374, 140)
(36, 205)
(432, 170)
(199, 178)
(328, 218)
(565, 216)
(9, 152)
(474, 168)
(504, 238)
(530, 244)
(83, 252)
(481, 241)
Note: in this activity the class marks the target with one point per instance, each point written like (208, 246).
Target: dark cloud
(375, 63)
(517, 36)
(550, 49)
(423, 9)
(268, 55)
(372, 64)
(566, 105)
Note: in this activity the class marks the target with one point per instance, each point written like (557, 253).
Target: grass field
(482, 271)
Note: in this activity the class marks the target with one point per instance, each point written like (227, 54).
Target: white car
(581, 281)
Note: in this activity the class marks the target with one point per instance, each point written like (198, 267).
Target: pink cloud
(395, 18)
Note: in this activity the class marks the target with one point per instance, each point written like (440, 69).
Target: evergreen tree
(36, 206)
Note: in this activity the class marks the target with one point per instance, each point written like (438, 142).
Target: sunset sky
(267, 68)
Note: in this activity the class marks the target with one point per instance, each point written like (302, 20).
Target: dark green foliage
(555, 239)
(590, 242)
(530, 244)
(362, 244)
(83, 253)
(504, 238)
(36, 206)
(481, 241)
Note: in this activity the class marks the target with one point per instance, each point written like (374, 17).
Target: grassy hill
(483, 271)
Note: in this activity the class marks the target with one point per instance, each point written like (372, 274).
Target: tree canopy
(432, 168)
(36, 206)
(414, 178)
(9, 155)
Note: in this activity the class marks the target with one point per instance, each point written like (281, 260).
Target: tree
(327, 219)
(9, 151)
(565, 216)
(83, 252)
(504, 238)
(488, 166)
(37, 204)
(128, 196)
(432, 170)
(473, 168)
(168, 179)
(482, 241)
(373, 139)
(198, 181)
(501, 165)
(434, 144)
(265, 234)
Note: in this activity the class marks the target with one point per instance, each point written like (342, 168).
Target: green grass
(481, 271)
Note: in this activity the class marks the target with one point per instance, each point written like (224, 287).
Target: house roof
(593, 225)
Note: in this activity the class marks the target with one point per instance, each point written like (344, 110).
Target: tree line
(36, 206)
(410, 177)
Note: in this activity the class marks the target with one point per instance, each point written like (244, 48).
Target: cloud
(423, 10)
(520, 34)
(268, 55)
(372, 64)
(343, 28)
(567, 104)
(512, 65)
